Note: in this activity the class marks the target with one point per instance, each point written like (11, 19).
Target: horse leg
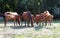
(21, 22)
(14, 22)
(32, 23)
(40, 23)
(50, 23)
(45, 23)
(37, 23)
(25, 23)
(6, 21)
(28, 23)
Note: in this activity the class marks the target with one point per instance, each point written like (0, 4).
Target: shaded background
(35, 6)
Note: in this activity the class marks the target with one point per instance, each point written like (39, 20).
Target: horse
(48, 18)
(27, 17)
(44, 18)
(39, 18)
(12, 16)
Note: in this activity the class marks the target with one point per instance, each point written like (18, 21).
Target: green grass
(56, 30)
(56, 21)
(44, 36)
(1, 20)
(18, 36)
(56, 36)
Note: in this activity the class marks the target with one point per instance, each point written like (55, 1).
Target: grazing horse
(12, 16)
(44, 18)
(27, 17)
(48, 17)
(39, 18)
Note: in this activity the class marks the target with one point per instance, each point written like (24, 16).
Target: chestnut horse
(48, 18)
(27, 17)
(12, 16)
(44, 18)
(39, 18)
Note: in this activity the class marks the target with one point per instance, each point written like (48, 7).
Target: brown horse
(12, 16)
(48, 18)
(26, 17)
(39, 18)
(44, 18)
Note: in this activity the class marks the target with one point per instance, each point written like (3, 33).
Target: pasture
(29, 32)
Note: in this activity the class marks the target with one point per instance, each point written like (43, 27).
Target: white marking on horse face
(47, 13)
(32, 15)
(37, 15)
(24, 12)
(14, 13)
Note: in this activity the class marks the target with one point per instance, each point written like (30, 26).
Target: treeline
(35, 6)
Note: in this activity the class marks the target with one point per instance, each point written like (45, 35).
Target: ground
(30, 32)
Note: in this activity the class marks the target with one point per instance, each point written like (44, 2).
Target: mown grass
(1, 21)
(56, 21)
(55, 30)
(18, 36)
(44, 36)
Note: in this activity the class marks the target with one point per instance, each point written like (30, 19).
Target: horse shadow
(20, 27)
(38, 27)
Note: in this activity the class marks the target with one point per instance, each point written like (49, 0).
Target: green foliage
(34, 6)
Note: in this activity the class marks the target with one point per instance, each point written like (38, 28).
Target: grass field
(52, 36)
(32, 32)
(56, 32)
